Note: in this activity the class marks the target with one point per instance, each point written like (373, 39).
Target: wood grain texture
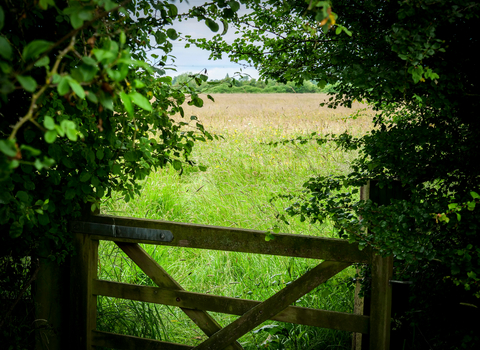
(238, 240)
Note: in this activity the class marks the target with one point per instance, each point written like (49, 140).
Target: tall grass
(243, 175)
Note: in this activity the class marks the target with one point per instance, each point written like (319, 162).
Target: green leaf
(321, 84)
(22, 196)
(452, 206)
(67, 125)
(225, 26)
(116, 169)
(44, 3)
(88, 72)
(35, 49)
(84, 176)
(43, 219)
(63, 86)
(475, 195)
(91, 97)
(72, 134)
(160, 37)
(138, 84)
(50, 136)
(49, 123)
(109, 5)
(212, 25)
(77, 18)
(140, 100)
(130, 156)
(8, 148)
(70, 193)
(5, 48)
(172, 34)
(77, 88)
(269, 236)
(44, 61)
(471, 205)
(27, 82)
(100, 154)
(89, 61)
(16, 230)
(33, 151)
(127, 102)
(234, 5)
(123, 38)
(177, 165)
(106, 101)
(172, 10)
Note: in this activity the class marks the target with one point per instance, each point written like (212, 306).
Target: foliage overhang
(414, 62)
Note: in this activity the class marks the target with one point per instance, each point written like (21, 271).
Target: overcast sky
(193, 59)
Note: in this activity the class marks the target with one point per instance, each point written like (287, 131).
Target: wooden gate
(127, 233)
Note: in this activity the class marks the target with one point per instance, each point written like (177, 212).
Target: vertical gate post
(381, 303)
(50, 296)
(84, 303)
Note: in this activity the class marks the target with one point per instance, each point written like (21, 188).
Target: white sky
(194, 59)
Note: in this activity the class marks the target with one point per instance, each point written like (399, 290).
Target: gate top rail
(133, 230)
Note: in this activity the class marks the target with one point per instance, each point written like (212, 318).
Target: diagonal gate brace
(273, 305)
(161, 278)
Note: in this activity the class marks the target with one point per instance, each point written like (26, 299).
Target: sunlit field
(243, 175)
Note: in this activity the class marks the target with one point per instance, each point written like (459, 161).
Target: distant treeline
(246, 85)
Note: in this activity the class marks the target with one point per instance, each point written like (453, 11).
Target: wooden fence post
(83, 302)
(50, 296)
(381, 303)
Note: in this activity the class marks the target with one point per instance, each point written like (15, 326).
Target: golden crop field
(291, 113)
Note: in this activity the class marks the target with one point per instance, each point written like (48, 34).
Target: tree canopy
(84, 111)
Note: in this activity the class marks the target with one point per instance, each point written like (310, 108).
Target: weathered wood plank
(161, 278)
(239, 240)
(273, 305)
(381, 303)
(84, 300)
(128, 342)
(233, 306)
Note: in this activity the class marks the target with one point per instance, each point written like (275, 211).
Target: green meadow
(243, 175)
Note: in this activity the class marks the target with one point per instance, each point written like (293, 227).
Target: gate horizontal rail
(225, 238)
(127, 233)
(234, 306)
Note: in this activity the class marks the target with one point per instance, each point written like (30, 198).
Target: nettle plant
(85, 111)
